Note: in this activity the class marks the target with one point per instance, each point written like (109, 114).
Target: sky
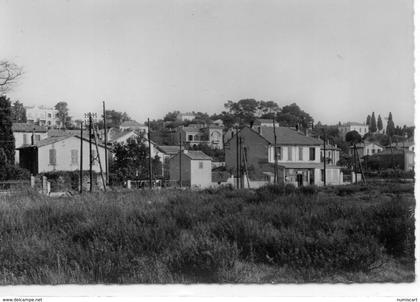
(339, 60)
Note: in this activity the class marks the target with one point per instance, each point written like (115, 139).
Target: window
(25, 139)
(373, 151)
(322, 175)
(74, 157)
(300, 153)
(37, 138)
(279, 153)
(49, 114)
(289, 153)
(312, 153)
(200, 165)
(190, 137)
(53, 159)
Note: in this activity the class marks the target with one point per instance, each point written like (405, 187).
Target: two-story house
(296, 156)
(196, 134)
(43, 116)
(361, 128)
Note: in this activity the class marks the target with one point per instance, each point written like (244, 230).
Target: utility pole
(325, 159)
(106, 145)
(240, 162)
(81, 159)
(237, 158)
(354, 161)
(90, 153)
(150, 154)
(180, 159)
(275, 153)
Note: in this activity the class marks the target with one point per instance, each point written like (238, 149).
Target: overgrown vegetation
(274, 234)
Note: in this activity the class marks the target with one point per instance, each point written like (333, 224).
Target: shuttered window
(94, 157)
(25, 139)
(300, 153)
(279, 153)
(311, 153)
(74, 157)
(53, 157)
(289, 153)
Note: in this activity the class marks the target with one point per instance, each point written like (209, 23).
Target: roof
(131, 124)
(293, 165)
(191, 129)
(54, 139)
(287, 136)
(353, 124)
(170, 149)
(197, 155)
(25, 127)
(115, 134)
(194, 155)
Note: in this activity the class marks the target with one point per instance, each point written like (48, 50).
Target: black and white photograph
(198, 142)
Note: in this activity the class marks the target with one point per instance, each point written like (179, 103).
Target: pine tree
(373, 127)
(380, 124)
(368, 120)
(390, 127)
(7, 140)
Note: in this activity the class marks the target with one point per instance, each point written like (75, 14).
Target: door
(299, 179)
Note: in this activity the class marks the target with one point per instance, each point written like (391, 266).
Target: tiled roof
(197, 155)
(24, 127)
(132, 124)
(170, 149)
(287, 136)
(115, 134)
(55, 139)
(353, 124)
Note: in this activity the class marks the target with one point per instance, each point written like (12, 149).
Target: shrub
(308, 190)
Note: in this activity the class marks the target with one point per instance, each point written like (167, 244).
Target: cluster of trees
(391, 129)
(8, 169)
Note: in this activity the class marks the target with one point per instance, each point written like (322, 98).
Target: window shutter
(25, 138)
(53, 158)
(74, 157)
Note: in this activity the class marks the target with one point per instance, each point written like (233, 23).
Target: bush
(308, 190)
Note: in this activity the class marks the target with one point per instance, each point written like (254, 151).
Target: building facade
(61, 153)
(195, 169)
(296, 156)
(43, 116)
(361, 128)
(26, 134)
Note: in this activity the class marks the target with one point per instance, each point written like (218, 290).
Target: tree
(114, 118)
(390, 127)
(7, 140)
(291, 116)
(353, 137)
(18, 112)
(368, 120)
(171, 116)
(9, 73)
(372, 127)
(380, 124)
(244, 110)
(131, 161)
(63, 113)
(268, 109)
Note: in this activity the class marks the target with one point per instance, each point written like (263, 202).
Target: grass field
(275, 234)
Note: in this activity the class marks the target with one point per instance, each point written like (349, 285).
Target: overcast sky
(337, 59)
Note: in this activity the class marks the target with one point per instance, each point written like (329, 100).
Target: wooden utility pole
(240, 163)
(354, 162)
(150, 154)
(81, 159)
(325, 159)
(237, 158)
(90, 154)
(275, 153)
(106, 145)
(180, 159)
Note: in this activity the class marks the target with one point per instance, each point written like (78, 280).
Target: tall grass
(184, 236)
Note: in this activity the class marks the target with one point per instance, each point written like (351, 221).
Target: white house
(361, 128)
(43, 116)
(26, 134)
(195, 169)
(60, 153)
(298, 157)
(186, 116)
(133, 125)
(368, 148)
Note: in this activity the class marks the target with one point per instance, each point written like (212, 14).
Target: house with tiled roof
(60, 153)
(196, 134)
(191, 168)
(296, 157)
